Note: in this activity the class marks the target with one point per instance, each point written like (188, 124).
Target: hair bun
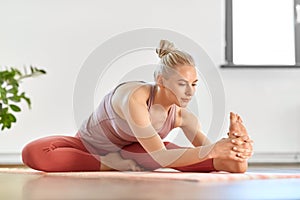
(164, 48)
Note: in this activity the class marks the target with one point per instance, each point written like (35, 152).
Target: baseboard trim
(260, 157)
(10, 159)
(268, 157)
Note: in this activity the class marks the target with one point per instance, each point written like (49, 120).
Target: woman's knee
(33, 155)
(27, 155)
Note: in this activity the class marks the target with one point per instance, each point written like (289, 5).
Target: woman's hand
(243, 147)
(228, 148)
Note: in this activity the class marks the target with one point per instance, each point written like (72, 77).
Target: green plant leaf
(5, 101)
(15, 98)
(26, 99)
(10, 79)
(3, 93)
(12, 118)
(13, 90)
(15, 108)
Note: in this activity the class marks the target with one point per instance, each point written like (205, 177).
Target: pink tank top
(106, 130)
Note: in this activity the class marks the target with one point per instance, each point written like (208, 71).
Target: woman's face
(181, 85)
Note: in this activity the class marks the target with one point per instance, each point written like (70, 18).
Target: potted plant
(10, 96)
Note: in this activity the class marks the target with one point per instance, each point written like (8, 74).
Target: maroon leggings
(66, 154)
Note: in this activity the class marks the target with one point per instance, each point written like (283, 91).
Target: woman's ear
(160, 81)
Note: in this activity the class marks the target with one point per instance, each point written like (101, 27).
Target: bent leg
(59, 154)
(137, 153)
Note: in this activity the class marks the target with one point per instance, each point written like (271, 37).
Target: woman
(125, 132)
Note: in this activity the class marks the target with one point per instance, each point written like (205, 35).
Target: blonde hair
(171, 58)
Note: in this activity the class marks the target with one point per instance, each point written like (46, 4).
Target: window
(262, 33)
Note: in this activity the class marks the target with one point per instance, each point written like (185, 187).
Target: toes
(233, 117)
(239, 119)
(133, 166)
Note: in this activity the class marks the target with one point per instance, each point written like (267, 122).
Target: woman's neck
(161, 98)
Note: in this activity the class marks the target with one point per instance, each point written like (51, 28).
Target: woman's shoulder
(125, 92)
(133, 89)
(134, 86)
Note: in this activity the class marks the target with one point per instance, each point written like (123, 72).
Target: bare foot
(239, 134)
(113, 161)
(236, 127)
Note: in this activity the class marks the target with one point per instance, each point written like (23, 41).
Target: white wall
(269, 101)
(60, 35)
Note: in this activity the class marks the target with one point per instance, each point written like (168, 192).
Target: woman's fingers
(237, 141)
(236, 134)
(242, 140)
(246, 152)
(240, 156)
(237, 157)
(243, 151)
(234, 152)
(242, 147)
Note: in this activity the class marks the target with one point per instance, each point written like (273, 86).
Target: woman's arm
(136, 113)
(191, 127)
(237, 133)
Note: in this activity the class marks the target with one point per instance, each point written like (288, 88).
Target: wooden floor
(36, 187)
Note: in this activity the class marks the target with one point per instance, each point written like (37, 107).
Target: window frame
(229, 39)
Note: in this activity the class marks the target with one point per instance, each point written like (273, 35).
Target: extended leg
(137, 153)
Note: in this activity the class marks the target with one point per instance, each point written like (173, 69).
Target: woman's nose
(189, 91)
